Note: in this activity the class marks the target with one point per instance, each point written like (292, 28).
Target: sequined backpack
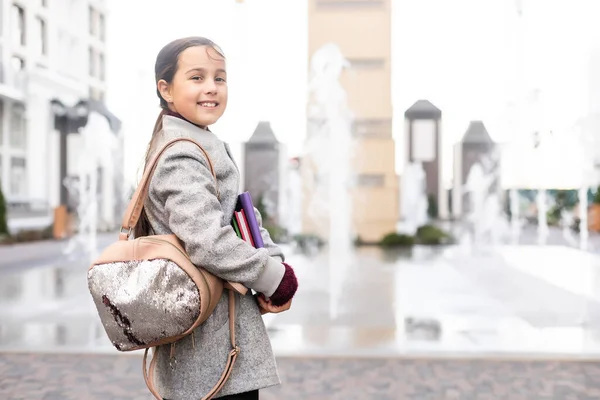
(148, 292)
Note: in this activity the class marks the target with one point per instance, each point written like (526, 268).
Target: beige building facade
(362, 31)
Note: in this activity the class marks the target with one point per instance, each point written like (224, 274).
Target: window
(17, 127)
(18, 178)
(96, 94)
(349, 3)
(92, 61)
(18, 25)
(63, 48)
(423, 143)
(372, 128)
(366, 63)
(1, 127)
(370, 180)
(92, 20)
(17, 63)
(16, 73)
(101, 66)
(102, 27)
(41, 41)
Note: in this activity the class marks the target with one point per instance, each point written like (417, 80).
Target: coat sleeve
(183, 183)
(272, 248)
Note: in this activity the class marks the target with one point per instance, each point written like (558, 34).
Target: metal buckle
(128, 231)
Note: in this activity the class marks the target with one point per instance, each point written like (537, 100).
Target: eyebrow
(200, 69)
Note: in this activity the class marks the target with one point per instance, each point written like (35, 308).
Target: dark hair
(167, 62)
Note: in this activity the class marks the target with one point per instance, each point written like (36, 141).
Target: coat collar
(178, 127)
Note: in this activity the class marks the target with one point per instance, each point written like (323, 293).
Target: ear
(165, 90)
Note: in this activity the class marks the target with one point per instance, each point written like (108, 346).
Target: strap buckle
(127, 231)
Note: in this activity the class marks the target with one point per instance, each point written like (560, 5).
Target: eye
(219, 79)
(196, 78)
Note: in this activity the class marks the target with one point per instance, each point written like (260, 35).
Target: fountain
(95, 151)
(413, 203)
(587, 135)
(329, 149)
(485, 218)
(583, 220)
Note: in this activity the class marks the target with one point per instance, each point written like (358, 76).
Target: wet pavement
(507, 300)
(71, 377)
(432, 323)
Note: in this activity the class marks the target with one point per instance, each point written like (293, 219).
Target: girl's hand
(263, 311)
(266, 306)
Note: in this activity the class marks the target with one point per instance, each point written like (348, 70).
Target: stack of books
(244, 221)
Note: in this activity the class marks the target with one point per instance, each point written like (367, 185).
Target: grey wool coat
(183, 200)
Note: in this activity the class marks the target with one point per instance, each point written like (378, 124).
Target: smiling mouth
(208, 104)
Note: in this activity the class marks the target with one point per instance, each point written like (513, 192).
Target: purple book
(245, 201)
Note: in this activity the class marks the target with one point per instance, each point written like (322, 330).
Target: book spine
(247, 228)
(235, 226)
(243, 226)
(248, 207)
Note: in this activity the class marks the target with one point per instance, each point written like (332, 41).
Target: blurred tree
(3, 219)
(262, 209)
(277, 233)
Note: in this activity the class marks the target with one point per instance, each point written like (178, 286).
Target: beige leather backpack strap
(233, 354)
(231, 358)
(134, 209)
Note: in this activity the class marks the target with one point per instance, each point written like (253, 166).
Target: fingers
(262, 303)
(285, 307)
(271, 308)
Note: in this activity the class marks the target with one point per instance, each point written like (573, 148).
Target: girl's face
(199, 88)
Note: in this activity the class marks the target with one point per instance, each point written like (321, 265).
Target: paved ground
(70, 377)
(359, 323)
(21, 256)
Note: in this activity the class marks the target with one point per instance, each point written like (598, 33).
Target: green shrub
(596, 197)
(397, 240)
(553, 217)
(430, 234)
(28, 235)
(276, 232)
(432, 206)
(307, 240)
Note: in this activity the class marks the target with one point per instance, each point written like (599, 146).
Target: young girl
(183, 199)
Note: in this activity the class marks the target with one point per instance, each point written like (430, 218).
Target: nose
(210, 87)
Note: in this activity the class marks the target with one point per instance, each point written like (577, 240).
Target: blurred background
(431, 169)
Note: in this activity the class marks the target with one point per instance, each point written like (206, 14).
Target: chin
(200, 121)
(207, 121)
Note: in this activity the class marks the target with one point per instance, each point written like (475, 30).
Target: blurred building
(423, 143)
(49, 50)
(362, 31)
(264, 169)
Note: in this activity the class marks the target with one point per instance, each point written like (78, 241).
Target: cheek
(224, 94)
(186, 95)
(191, 93)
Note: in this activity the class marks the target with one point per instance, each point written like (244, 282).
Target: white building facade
(49, 49)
